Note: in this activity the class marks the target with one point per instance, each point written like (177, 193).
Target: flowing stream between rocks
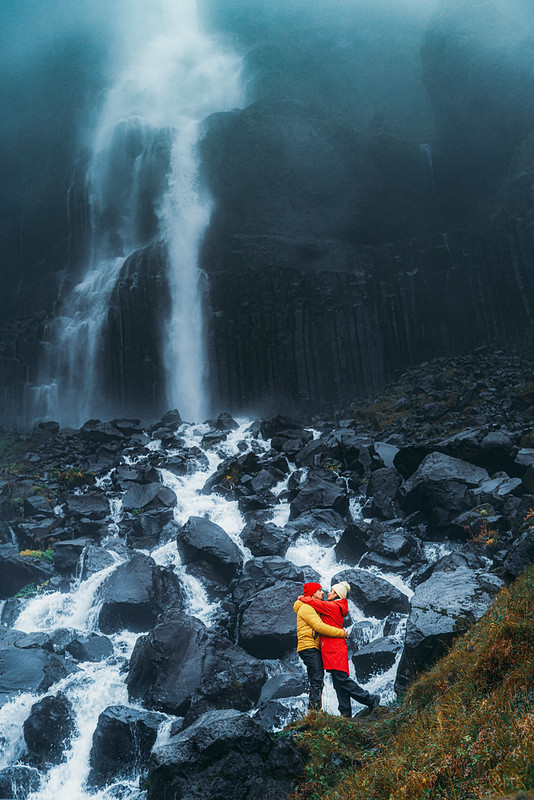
(92, 687)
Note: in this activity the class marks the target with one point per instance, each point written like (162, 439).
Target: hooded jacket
(333, 650)
(310, 626)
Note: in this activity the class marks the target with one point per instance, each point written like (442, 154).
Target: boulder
(223, 754)
(90, 647)
(375, 596)
(442, 608)
(321, 522)
(48, 729)
(201, 540)
(381, 490)
(67, 555)
(183, 668)
(225, 422)
(18, 782)
(375, 657)
(319, 491)
(259, 573)
(268, 623)
(122, 743)
(265, 539)
(276, 715)
(285, 684)
(91, 506)
(136, 593)
(103, 432)
(148, 496)
(441, 487)
(17, 571)
(353, 543)
(520, 556)
(27, 669)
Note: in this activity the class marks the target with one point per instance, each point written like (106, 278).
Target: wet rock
(354, 542)
(183, 668)
(202, 540)
(48, 729)
(520, 556)
(375, 657)
(259, 573)
(29, 669)
(441, 487)
(265, 539)
(149, 496)
(285, 684)
(18, 782)
(96, 431)
(322, 523)
(442, 608)
(225, 422)
(275, 714)
(381, 490)
(147, 529)
(319, 491)
(122, 742)
(18, 571)
(268, 623)
(67, 555)
(136, 593)
(90, 506)
(36, 504)
(225, 752)
(90, 647)
(375, 596)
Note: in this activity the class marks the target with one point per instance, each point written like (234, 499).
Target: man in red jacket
(334, 651)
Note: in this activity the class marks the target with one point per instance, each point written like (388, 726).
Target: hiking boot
(374, 702)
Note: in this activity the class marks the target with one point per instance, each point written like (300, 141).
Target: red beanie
(311, 588)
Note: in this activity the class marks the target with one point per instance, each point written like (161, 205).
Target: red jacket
(333, 651)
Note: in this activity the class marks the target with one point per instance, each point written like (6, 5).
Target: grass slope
(464, 730)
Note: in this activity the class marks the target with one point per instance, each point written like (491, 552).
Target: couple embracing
(322, 646)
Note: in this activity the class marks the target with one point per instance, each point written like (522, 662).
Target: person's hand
(345, 634)
(300, 597)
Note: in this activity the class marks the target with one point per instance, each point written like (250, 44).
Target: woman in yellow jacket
(309, 629)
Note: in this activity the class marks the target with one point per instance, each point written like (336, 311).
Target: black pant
(314, 667)
(346, 688)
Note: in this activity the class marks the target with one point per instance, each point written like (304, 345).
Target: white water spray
(143, 184)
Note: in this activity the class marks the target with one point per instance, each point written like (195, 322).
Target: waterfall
(143, 185)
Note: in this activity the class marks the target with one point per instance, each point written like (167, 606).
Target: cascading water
(143, 185)
(95, 686)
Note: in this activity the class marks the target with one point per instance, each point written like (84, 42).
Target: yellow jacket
(310, 626)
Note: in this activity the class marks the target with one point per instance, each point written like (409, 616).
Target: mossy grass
(464, 730)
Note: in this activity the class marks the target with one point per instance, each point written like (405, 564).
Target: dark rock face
(265, 539)
(204, 541)
(377, 656)
(223, 754)
(27, 668)
(122, 742)
(18, 782)
(441, 487)
(90, 647)
(268, 623)
(318, 491)
(132, 336)
(183, 668)
(47, 730)
(375, 596)
(17, 571)
(259, 573)
(135, 593)
(442, 607)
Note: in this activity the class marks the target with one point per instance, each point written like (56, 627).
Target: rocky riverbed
(148, 572)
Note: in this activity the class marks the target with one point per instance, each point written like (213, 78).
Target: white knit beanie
(341, 589)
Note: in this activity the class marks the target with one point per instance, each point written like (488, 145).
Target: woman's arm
(323, 606)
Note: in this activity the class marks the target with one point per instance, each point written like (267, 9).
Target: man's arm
(314, 621)
(318, 605)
